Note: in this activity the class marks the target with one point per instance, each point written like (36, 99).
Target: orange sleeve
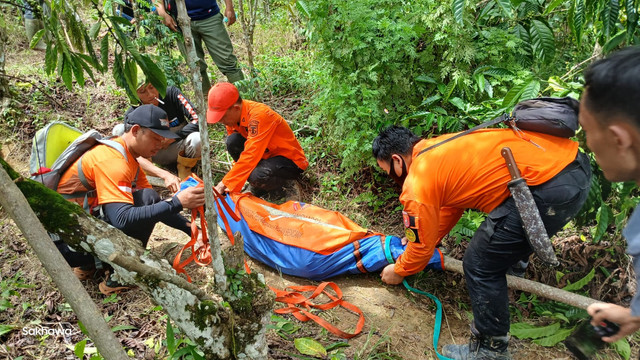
(254, 148)
(424, 225)
(448, 219)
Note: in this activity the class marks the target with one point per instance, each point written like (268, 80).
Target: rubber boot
(480, 348)
(31, 27)
(185, 165)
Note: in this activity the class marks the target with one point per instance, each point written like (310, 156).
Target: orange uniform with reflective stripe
(108, 172)
(469, 173)
(268, 135)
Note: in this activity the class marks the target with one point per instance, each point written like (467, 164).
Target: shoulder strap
(499, 119)
(113, 144)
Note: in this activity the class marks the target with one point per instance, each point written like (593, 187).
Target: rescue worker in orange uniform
(122, 195)
(470, 173)
(265, 150)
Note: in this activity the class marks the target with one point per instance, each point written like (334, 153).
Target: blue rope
(438, 325)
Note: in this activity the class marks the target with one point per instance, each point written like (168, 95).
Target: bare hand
(389, 275)
(617, 314)
(222, 188)
(171, 182)
(404, 241)
(191, 197)
(169, 21)
(230, 14)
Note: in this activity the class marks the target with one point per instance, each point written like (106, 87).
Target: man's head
(148, 94)
(146, 129)
(225, 104)
(393, 149)
(610, 114)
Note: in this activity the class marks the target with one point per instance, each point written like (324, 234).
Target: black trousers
(140, 231)
(269, 174)
(500, 242)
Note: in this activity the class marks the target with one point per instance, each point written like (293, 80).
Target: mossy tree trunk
(225, 326)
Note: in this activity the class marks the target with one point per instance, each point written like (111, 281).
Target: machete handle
(511, 163)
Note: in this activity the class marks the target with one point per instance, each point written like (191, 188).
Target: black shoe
(480, 348)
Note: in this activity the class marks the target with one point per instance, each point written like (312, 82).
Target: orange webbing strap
(299, 306)
(202, 255)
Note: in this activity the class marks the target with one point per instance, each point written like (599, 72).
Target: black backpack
(547, 115)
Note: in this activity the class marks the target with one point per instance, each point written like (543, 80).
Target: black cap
(152, 118)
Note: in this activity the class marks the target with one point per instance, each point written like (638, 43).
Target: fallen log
(534, 287)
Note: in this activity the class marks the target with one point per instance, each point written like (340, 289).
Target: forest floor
(399, 325)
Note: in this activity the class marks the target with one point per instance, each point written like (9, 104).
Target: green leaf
(115, 20)
(609, 17)
(303, 8)
(95, 29)
(36, 38)
(426, 79)
(308, 346)
(337, 345)
(66, 73)
(449, 89)
(78, 350)
(104, 52)
(577, 19)
(4, 329)
(552, 340)
(50, 59)
(582, 282)
(632, 18)
(615, 41)
(542, 40)
(430, 100)
(604, 217)
(458, 10)
(458, 103)
(528, 331)
(153, 74)
(531, 90)
(505, 6)
(77, 69)
(514, 94)
(552, 5)
(497, 72)
(622, 348)
(171, 341)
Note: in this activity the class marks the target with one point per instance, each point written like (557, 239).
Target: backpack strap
(499, 119)
(83, 179)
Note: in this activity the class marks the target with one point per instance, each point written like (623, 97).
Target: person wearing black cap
(123, 197)
(182, 153)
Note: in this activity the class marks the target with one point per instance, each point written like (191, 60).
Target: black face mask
(398, 179)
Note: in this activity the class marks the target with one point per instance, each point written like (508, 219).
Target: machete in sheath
(529, 213)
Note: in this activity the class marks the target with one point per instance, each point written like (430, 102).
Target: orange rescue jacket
(268, 135)
(468, 173)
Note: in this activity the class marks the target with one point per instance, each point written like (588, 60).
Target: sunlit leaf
(622, 348)
(552, 5)
(308, 346)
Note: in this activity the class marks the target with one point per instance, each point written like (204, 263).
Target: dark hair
(394, 140)
(612, 85)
